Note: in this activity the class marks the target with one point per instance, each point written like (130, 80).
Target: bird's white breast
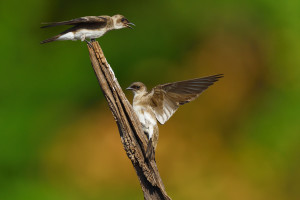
(146, 117)
(89, 34)
(83, 34)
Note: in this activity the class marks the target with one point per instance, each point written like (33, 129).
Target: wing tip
(46, 24)
(217, 76)
(213, 78)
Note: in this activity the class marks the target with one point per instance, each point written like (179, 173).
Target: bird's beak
(128, 25)
(129, 88)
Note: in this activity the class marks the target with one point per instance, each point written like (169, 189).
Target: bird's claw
(89, 43)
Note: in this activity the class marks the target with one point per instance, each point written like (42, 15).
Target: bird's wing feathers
(162, 105)
(168, 97)
(88, 19)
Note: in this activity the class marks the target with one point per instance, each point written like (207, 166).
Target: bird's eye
(137, 87)
(123, 19)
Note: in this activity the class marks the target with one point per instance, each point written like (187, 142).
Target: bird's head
(137, 88)
(121, 22)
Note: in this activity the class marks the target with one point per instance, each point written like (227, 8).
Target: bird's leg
(83, 38)
(92, 40)
(89, 43)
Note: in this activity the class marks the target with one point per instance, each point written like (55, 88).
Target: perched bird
(162, 101)
(89, 27)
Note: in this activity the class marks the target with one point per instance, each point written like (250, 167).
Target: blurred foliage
(239, 140)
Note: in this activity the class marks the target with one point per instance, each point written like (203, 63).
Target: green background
(239, 140)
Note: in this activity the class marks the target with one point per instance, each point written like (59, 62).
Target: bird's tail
(51, 39)
(150, 152)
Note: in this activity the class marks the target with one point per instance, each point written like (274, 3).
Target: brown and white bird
(162, 102)
(90, 27)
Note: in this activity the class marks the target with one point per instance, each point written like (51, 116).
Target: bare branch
(131, 133)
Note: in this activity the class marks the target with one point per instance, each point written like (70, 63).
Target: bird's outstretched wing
(87, 19)
(168, 97)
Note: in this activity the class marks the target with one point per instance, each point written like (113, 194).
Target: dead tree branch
(131, 133)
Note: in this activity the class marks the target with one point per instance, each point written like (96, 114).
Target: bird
(161, 103)
(89, 27)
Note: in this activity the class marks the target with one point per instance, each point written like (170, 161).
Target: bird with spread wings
(162, 102)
